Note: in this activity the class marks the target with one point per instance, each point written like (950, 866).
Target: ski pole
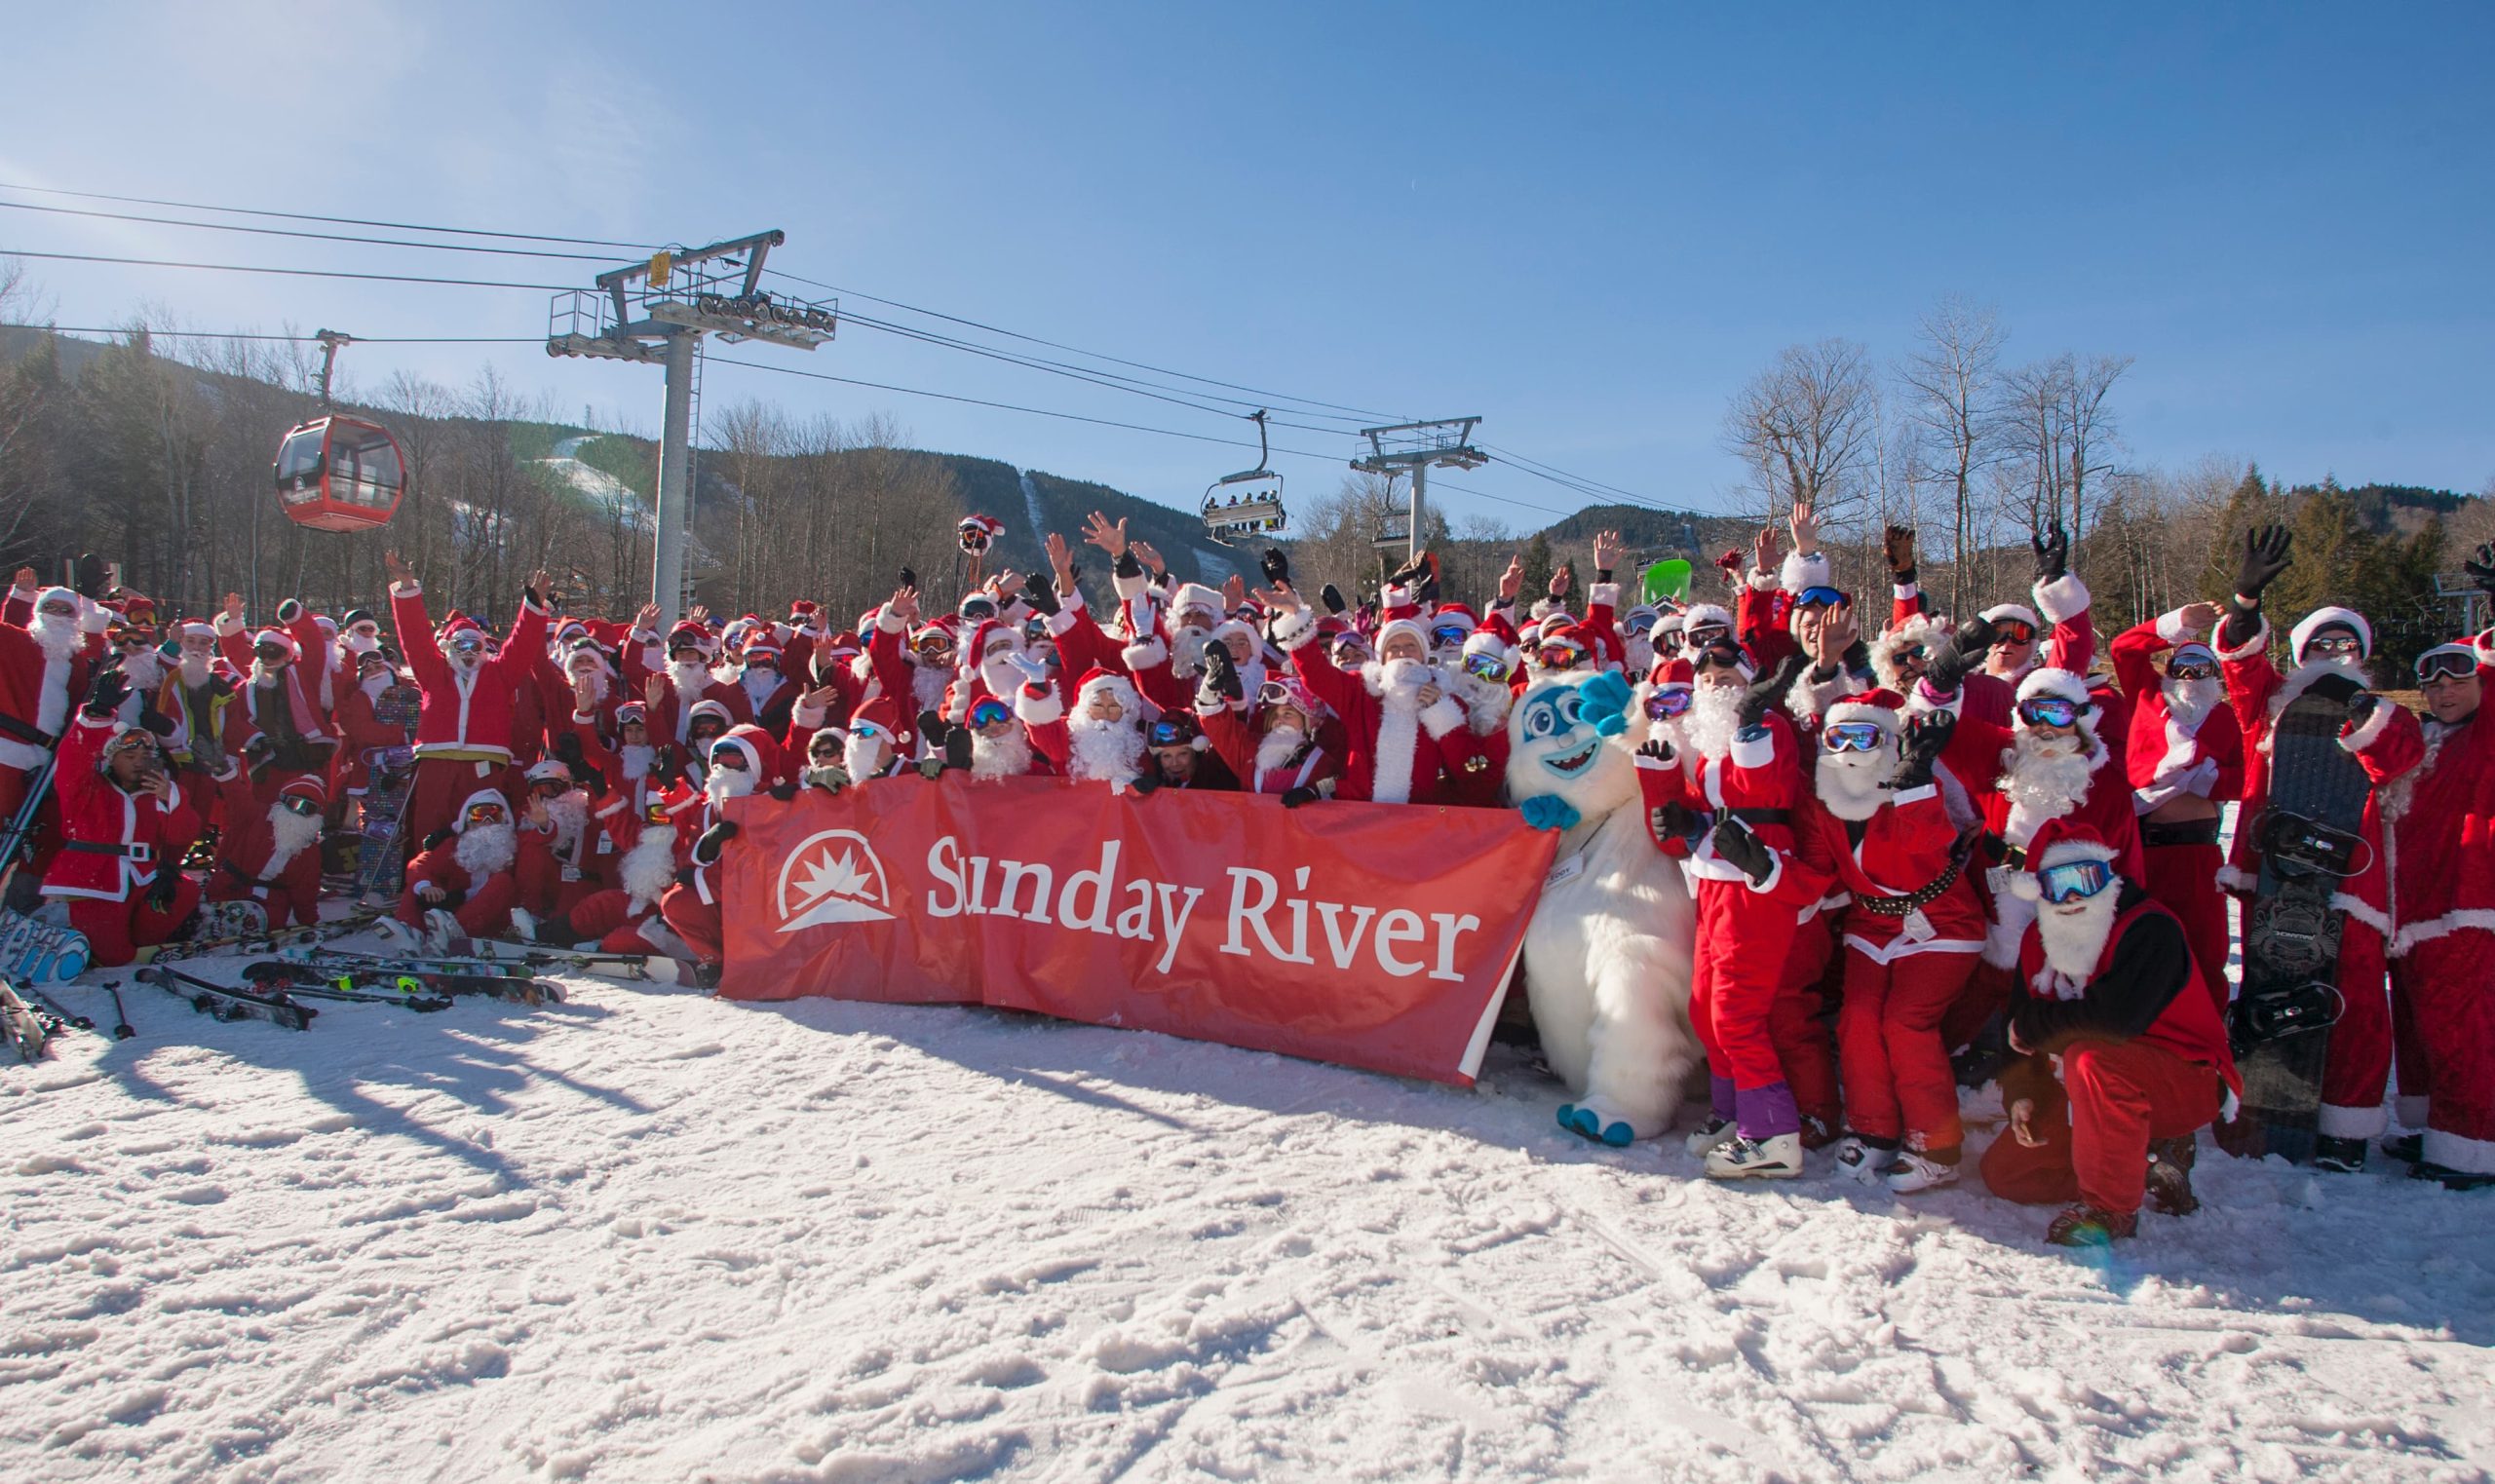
(125, 1029)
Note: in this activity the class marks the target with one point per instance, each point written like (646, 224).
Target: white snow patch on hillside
(658, 1237)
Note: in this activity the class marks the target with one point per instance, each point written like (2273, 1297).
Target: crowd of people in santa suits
(1902, 845)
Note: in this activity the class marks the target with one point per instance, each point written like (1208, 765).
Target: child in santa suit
(2437, 786)
(1737, 800)
(1913, 932)
(1278, 751)
(559, 863)
(746, 761)
(2185, 759)
(124, 824)
(271, 854)
(462, 886)
(2122, 1055)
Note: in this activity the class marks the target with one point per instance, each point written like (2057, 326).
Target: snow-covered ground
(651, 1236)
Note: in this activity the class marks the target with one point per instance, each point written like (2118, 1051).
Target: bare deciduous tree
(1950, 384)
(1806, 427)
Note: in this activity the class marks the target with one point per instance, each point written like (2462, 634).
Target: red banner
(1372, 935)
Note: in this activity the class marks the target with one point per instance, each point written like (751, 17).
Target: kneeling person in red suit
(464, 886)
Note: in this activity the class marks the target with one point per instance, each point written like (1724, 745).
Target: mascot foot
(1593, 1120)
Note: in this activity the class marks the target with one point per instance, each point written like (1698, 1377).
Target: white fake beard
(143, 669)
(194, 670)
(2190, 701)
(2073, 941)
(1251, 676)
(726, 784)
(1714, 714)
(467, 662)
(637, 760)
(1486, 702)
(266, 675)
(1852, 786)
(570, 814)
(596, 679)
(371, 685)
(1187, 649)
(759, 684)
(1275, 747)
(690, 677)
(361, 644)
(1104, 751)
(1396, 682)
(58, 637)
(927, 685)
(2047, 780)
(292, 833)
(1641, 655)
(1007, 756)
(486, 849)
(861, 756)
(648, 868)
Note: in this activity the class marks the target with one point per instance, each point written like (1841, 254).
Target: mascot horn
(1607, 954)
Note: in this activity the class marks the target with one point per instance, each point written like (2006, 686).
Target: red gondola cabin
(340, 474)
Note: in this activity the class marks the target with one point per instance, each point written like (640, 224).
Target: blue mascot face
(1550, 724)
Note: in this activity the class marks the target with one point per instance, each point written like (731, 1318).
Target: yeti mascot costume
(1607, 954)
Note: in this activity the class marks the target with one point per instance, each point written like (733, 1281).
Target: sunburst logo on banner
(832, 877)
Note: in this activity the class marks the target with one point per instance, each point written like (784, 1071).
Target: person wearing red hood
(463, 885)
(272, 854)
(124, 824)
(674, 696)
(763, 693)
(277, 724)
(45, 659)
(464, 727)
(745, 762)
(2436, 786)
(2185, 760)
(636, 844)
(2123, 1054)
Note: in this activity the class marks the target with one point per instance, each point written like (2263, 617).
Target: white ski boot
(397, 937)
(1777, 1157)
(1911, 1171)
(1712, 1131)
(1861, 1162)
(442, 930)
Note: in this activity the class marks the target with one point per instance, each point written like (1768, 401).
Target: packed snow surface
(652, 1236)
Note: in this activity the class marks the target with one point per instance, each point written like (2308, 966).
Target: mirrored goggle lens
(1639, 623)
(727, 758)
(988, 713)
(2332, 644)
(2015, 630)
(2190, 669)
(1274, 692)
(272, 652)
(1853, 737)
(467, 646)
(298, 805)
(978, 608)
(654, 813)
(2073, 880)
(1559, 656)
(1171, 734)
(1705, 634)
(1485, 666)
(484, 813)
(2446, 665)
(2047, 712)
(1819, 598)
(934, 644)
(1448, 636)
(1665, 705)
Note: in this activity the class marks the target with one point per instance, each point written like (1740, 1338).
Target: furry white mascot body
(1607, 954)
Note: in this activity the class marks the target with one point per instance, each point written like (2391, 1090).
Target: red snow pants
(2183, 879)
(117, 929)
(2449, 986)
(1898, 1080)
(2355, 1066)
(697, 921)
(1744, 940)
(614, 922)
(1798, 1024)
(2096, 1123)
(485, 913)
(441, 786)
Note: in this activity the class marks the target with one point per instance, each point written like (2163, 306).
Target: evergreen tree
(1538, 565)
(2247, 507)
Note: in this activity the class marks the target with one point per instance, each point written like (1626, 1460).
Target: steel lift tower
(660, 310)
(1415, 448)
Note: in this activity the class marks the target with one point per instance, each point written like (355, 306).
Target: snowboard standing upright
(2308, 842)
(380, 861)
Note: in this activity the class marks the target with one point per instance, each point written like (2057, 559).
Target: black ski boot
(2407, 1148)
(2450, 1178)
(2085, 1226)
(2338, 1156)
(2169, 1175)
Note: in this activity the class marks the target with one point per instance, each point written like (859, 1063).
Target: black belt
(142, 852)
(1915, 901)
(250, 880)
(25, 731)
(2004, 853)
(1762, 815)
(2180, 832)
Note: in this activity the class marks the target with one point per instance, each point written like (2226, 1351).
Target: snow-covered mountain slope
(658, 1237)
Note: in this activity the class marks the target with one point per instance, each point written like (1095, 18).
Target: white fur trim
(1806, 700)
(1399, 737)
(1700, 614)
(2334, 1121)
(1294, 628)
(1129, 589)
(2453, 1150)
(2047, 681)
(1145, 655)
(2259, 642)
(2364, 737)
(2321, 618)
(1799, 571)
(1198, 595)
(1754, 746)
(2019, 611)
(1763, 581)
(2064, 850)
(1041, 709)
(2233, 878)
(2062, 600)
(2363, 912)
(1605, 593)
(890, 622)
(1443, 715)
(2480, 918)
(226, 624)
(2169, 626)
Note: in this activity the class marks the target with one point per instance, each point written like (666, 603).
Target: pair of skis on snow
(30, 1030)
(276, 989)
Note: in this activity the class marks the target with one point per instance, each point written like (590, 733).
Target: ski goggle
(2073, 880)
(1639, 623)
(485, 813)
(989, 711)
(2049, 711)
(297, 804)
(1705, 634)
(550, 787)
(728, 757)
(654, 812)
(2446, 661)
(2015, 632)
(1486, 666)
(1560, 655)
(2336, 642)
(272, 652)
(2191, 669)
(1668, 702)
(1449, 636)
(1853, 737)
(467, 644)
(1819, 598)
(978, 608)
(1169, 732)
(933, 645)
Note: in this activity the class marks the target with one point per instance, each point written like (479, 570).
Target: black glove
(2481, 567)
(2053, 554)
(1960, 655)
(1673, 822)
(1221, 683)
(1660, 751)
(156, 721)
(1927, 734)
(568, 747)
(1276, 567)
(1040, 595)
(2265, 556)
(1332, 597)
(1293, 798)
(908, 578)
(957, 750)
(1404, 575)
(1127, 565)
(1763, 695)
(1144, 784)
(784, 791)
(1736, 843)
(108, 691)
(160, 892)
(2360, 707)
(715, 840)
(2331, 685)
(932, 727)
(220, 685)
(89, 570)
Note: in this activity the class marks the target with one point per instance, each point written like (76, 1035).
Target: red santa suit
(2126, 1047)
(270, 854)
(464, 729)
(2357, 1064)
(1913, 932)
(2196, 749)
(116, 846)
(2437, 787)
(1267, 760)
(1393, 743)
(474, 870)
(45, 666)
(692, 907)
(275, 721)
(559, 863)
(2066, 640)
(637, 831)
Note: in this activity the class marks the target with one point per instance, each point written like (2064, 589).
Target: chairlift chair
(339, 473)
(1255, 505)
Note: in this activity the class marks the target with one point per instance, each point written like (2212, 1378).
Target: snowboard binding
(2272, 1013)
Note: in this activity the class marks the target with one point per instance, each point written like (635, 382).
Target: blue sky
(1589, 224)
